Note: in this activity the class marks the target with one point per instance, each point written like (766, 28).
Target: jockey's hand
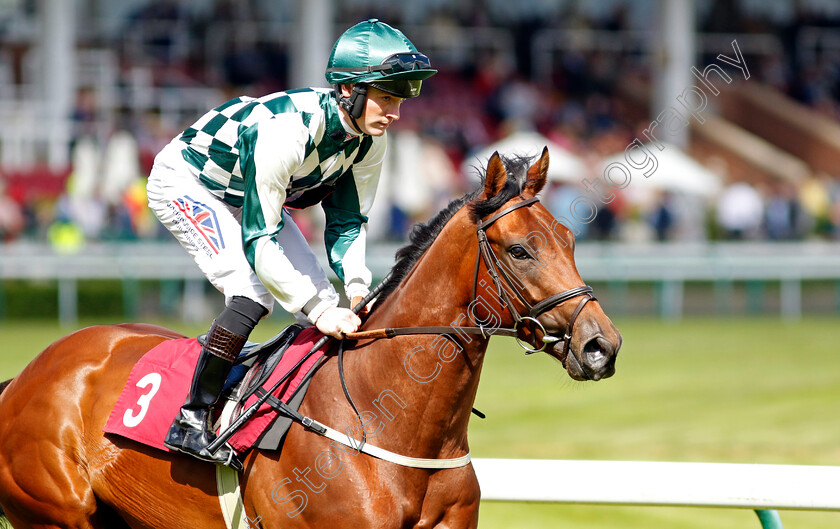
(364, 310)
(337, 321)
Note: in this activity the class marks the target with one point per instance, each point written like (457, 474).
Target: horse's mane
(424, 234)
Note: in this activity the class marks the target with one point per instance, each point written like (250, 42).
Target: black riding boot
(191, 431)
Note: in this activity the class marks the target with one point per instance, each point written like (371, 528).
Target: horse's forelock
(517, 173)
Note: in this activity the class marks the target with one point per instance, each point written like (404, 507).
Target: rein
(501, 278)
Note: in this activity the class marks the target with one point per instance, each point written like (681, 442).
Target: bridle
(498, 273)
(502, 282)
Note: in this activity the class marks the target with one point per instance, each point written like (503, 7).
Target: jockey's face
(381, 109)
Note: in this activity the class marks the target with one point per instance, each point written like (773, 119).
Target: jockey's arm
(346, 212)
(267, 171)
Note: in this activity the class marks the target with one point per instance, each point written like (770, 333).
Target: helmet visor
(395, 64)
(405, 88)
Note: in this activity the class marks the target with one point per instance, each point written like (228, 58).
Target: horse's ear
(536, 176)
(496, 176)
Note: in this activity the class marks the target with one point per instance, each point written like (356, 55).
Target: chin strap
(355, 104)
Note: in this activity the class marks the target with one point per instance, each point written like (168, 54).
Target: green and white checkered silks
(294, 142)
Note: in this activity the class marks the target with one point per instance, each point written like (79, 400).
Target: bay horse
(415, 392)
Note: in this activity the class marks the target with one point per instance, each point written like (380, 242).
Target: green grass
(718, 390)
(737, 390)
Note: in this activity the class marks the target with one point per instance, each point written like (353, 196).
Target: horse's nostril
(597, 358)
(594, 353)
(594, 358)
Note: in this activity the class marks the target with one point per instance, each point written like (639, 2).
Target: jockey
(222, 185)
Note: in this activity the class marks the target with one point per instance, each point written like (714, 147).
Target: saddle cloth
(159, 383)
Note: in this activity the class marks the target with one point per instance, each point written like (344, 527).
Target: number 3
(153, 380)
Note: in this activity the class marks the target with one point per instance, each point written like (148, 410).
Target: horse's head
(529, 266)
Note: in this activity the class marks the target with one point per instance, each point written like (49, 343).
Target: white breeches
(210, 231)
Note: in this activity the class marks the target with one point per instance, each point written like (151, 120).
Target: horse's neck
(436, 374)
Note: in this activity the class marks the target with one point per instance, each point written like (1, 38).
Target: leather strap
(556, 299)
(390, 332)
(486, 222)
(227, 484)
(386, 455)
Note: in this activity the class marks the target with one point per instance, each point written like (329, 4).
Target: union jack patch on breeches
(199, 223)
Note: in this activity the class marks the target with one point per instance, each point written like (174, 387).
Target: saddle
(159, 383)
(273, 361)
(257, 360)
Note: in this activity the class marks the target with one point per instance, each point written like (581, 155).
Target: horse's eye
(518, 252)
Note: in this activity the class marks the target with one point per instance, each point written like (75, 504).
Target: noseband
(498, 273)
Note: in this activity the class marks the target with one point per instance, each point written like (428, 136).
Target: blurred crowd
(473, 102)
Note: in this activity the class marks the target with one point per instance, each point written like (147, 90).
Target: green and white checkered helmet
(373, 53)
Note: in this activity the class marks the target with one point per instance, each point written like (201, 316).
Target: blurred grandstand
(91, 90)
